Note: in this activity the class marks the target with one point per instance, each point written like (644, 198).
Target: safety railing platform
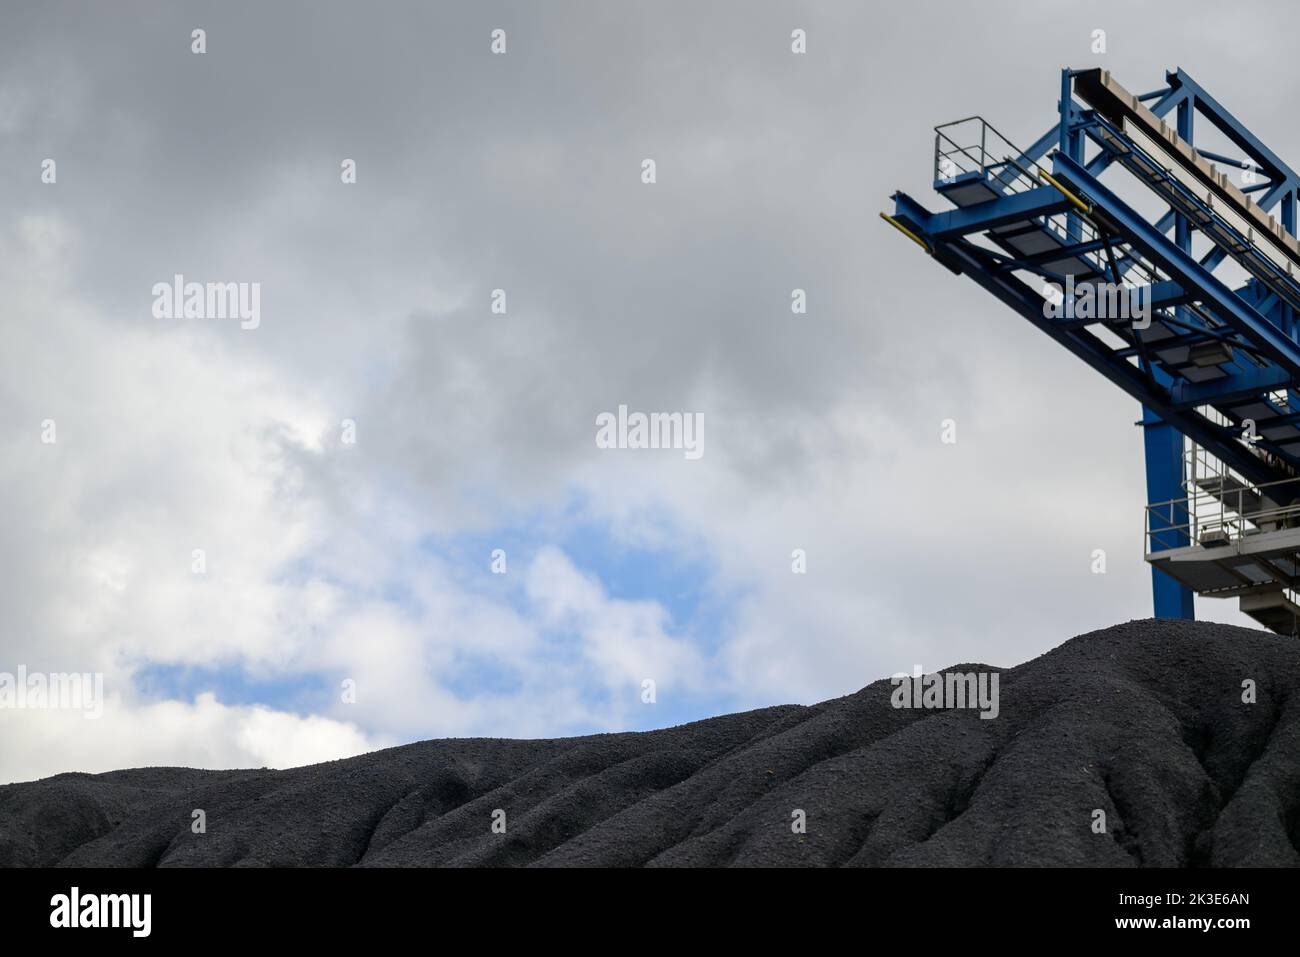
(1227, 537)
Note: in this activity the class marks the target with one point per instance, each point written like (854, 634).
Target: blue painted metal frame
(1252, 319)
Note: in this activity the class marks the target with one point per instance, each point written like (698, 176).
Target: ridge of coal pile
(1144, 721)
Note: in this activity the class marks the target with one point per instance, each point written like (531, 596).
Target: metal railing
(1220, 508)
(973, 145)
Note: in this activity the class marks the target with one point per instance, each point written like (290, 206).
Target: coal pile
(1130, 746)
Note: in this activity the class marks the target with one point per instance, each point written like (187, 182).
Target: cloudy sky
(369, 563)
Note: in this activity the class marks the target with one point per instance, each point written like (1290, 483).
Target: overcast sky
(330, 561)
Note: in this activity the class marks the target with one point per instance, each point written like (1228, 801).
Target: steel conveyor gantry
(1191, 311)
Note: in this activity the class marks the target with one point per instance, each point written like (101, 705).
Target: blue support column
(1071, 144)
(1163, 445)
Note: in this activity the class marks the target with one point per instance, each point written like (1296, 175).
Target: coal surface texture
(1143, 721)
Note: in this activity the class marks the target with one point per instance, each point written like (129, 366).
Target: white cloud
(201, 733)
(627, 641)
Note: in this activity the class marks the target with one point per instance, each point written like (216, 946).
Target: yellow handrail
(1074, 200)
(907, 232)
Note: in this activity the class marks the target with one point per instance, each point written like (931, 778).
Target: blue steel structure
(1217, 366)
